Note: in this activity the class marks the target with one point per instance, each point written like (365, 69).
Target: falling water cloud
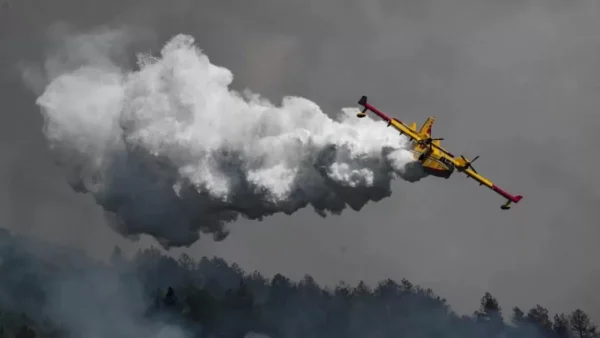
(169, 150)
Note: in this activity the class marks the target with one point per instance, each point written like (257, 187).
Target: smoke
(62, 288)
(169, 150)
(98, 302)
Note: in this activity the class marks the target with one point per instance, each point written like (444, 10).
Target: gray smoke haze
(95, 302)
(513, 81)
(169, 150)
(88, 299)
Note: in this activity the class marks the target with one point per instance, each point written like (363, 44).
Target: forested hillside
(52, 292)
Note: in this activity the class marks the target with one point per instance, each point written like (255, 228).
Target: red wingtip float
(436, 160)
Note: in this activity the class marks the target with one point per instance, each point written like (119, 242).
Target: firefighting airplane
(434, 159)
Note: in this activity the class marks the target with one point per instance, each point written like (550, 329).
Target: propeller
(468, 163)
(429, 141)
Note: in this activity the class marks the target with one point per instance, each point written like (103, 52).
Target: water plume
(169, 150)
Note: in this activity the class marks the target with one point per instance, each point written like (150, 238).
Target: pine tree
(581, 326)
(560, 326)
(518, 316)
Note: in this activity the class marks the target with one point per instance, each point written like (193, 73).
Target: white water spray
(170, 151)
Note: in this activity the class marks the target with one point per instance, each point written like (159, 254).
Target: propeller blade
(473, 160)
(468, 163)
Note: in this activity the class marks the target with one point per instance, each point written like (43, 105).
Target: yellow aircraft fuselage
(432, 160)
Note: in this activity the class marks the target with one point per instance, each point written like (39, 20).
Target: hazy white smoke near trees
(170, 150)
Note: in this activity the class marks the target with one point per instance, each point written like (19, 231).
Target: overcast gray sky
(513, 81)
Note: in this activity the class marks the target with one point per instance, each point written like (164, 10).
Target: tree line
(211, 298)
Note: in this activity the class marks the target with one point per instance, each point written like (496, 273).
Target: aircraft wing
(464, 165)
(401, 127)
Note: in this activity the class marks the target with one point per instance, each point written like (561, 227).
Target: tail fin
(426, 128)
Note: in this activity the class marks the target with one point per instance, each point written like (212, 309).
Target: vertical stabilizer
(426, 128)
